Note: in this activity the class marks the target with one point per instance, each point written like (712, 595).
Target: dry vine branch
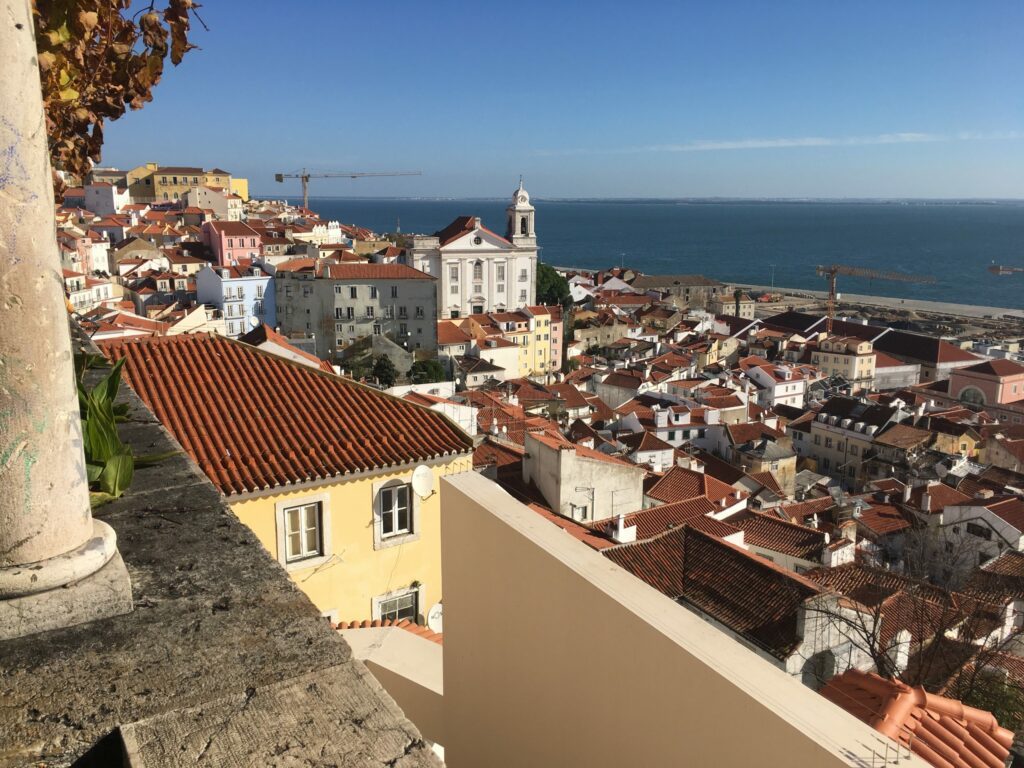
(96, 62)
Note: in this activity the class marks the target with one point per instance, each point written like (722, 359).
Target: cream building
(849, 357)
(478, 270)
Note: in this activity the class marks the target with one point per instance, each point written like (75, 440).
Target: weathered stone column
(48, 538)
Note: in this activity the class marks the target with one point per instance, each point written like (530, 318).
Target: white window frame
(280, 514)
(378, 601)
(382, 540)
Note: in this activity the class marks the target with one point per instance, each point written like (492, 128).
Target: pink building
(995, 386)
(232, 242)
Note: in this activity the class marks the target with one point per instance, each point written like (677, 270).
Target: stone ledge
(215, 616)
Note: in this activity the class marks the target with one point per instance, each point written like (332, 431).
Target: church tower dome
(521, 217)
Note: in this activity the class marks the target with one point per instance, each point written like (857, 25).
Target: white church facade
(478, 270)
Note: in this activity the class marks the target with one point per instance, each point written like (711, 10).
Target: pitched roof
(903, 436)
(360, 271)
(778, 535)
(294, 423)
(644, 441)
(461, 226)
(263, 334)
(997, 367)
(681, 484)
(752, 596)
(943, 731)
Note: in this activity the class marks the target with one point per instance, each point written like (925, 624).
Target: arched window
(523, 229)
(972, 396)
(478, 270)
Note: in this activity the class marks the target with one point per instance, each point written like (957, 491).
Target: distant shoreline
(676, 200)
(887, 302)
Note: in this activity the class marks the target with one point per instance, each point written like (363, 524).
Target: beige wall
(553, 656)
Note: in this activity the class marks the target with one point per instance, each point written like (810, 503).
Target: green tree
(552, 288)
(384, 371)
(426, 372)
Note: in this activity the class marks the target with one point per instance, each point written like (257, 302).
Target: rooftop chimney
(906, 493)
(624, 534)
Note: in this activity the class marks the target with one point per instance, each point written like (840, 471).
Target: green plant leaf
(117, 474)
(112, 381)
(100, 433)
(93, 471)
(99, 498)
(149, 459)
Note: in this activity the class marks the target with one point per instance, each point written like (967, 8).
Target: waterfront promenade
(916, 305)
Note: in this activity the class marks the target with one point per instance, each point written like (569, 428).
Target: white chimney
(926, 502)
(906, 493)
(624, 534)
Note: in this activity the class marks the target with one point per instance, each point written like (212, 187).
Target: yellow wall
(355, 572)
(240, 187)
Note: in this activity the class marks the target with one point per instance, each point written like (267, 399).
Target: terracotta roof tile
(748, 594)
(359, 271)
(778, 535)
(943, 731)
(298, 424)
(417, 629)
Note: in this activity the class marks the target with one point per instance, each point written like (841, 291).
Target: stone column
(48, 538)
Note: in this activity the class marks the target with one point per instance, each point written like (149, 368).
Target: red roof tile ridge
(417, 629)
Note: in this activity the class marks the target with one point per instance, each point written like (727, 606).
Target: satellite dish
(434, 622)
(423, 481)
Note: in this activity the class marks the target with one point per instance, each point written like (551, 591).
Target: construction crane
(307, 175)
(830, 272)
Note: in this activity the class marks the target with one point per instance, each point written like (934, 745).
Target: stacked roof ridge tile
(252, 420)
(943, 731)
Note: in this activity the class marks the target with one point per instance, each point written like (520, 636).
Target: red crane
(830, 272)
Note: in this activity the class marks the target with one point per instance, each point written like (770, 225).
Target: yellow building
(846, 356)
(240, 187)
(172, 182)
(319, 467)
(531, 333)
(140, 183)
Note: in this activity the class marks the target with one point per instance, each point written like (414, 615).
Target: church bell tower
(520, 216)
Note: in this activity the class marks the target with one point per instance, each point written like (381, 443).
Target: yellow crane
(830, 271)
(305, 176)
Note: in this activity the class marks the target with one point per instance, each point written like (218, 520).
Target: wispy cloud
(788, 143)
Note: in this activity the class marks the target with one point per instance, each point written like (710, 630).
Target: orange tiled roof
(680, 484)
(778, 535)
(417, 629)
(748, 594)
(943, 731)
(302, 425)
(360, 271)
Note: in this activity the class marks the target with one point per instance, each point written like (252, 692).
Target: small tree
(384, 371)
(552, 288)
(426, 372)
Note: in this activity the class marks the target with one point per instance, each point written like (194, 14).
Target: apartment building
(342, 303)
(847, 356)
(244, 295)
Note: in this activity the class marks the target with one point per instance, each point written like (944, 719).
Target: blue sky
(599, 99)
